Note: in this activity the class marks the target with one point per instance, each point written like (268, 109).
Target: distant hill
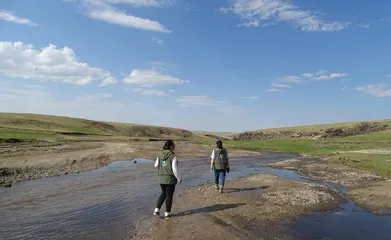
(318, 131)
(37, 126)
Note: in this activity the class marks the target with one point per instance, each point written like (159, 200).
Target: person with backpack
(168, 177)
(220, 163)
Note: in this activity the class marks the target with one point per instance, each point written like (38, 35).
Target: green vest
(165, 172)
(220, 161)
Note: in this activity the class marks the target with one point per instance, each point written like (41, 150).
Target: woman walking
(220, 163)
(167, 165)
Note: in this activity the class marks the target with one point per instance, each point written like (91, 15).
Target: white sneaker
(167, 215)
(156, 212)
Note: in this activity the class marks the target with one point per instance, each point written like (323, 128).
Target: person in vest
(220, 163)
(168, 177)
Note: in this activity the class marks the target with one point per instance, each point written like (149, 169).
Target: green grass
(41, 127)
(377, 163)
(321, 127)
(25, 135)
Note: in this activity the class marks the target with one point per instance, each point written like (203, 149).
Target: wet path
(100, 204)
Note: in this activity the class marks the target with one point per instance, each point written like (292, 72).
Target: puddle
(108, 202)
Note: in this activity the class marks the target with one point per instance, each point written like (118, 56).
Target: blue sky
(221, 65)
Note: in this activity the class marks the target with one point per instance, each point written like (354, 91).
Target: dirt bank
(368, 190)
(254, 207)
(26, 161)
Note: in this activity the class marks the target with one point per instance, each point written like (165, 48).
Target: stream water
(108, 202)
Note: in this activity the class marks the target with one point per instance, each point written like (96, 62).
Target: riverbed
(107, 203)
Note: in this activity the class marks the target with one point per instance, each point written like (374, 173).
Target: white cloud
(104, 10)
(308, 75)
(321, 72)
(157, 40)
(275, 84)
(331, 76)
(388, 75)
(291, 79)
(250, 98)
(108, 81)
(345, 88)
(364, 25)
(149, 92)
(150, 78)
(19, 60)
(34, 86)
(273, 90)
(378, 90)
(8, 16)
(252, 12)
(172, 90)
(197, 101)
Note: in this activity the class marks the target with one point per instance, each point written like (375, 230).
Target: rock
(7, 185)
(59, 174)
(66, 173)
(134, 161)
(355, 160)
(77, 172)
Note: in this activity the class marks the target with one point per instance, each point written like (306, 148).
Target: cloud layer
(106, 10)
(378, 89)
(21, 60)
(8, 16)
(150, 78)
(256, 13)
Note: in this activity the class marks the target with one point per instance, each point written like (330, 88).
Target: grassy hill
(46, 127)
(364, 145)
(320, 131)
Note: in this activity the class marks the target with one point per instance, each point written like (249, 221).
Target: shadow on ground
(232, 190)
(214, 208)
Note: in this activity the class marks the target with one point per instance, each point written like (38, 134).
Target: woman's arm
(175, 169)
(212, 159)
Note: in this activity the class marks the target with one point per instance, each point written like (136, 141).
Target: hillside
(46, 127)
(321, 131)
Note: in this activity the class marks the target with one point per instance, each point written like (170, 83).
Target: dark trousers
(167, 195)
(220, 176)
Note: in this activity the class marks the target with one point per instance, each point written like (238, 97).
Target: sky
(213, 65)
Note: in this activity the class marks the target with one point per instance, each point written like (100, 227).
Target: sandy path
(254, 207)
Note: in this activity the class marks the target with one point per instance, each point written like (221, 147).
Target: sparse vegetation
(28, 127)
(339, 149)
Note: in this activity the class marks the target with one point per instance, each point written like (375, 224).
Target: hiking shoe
(221, 190)
(167, 215)
(156, 212)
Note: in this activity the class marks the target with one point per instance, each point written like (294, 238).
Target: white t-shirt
(213, 154)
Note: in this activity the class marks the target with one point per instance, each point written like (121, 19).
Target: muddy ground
(254, 207)
(368, 190)
(27, 161)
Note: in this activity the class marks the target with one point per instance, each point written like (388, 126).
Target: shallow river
(108, 202)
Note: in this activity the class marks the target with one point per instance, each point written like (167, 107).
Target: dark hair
(168, 144)
(219, 144)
